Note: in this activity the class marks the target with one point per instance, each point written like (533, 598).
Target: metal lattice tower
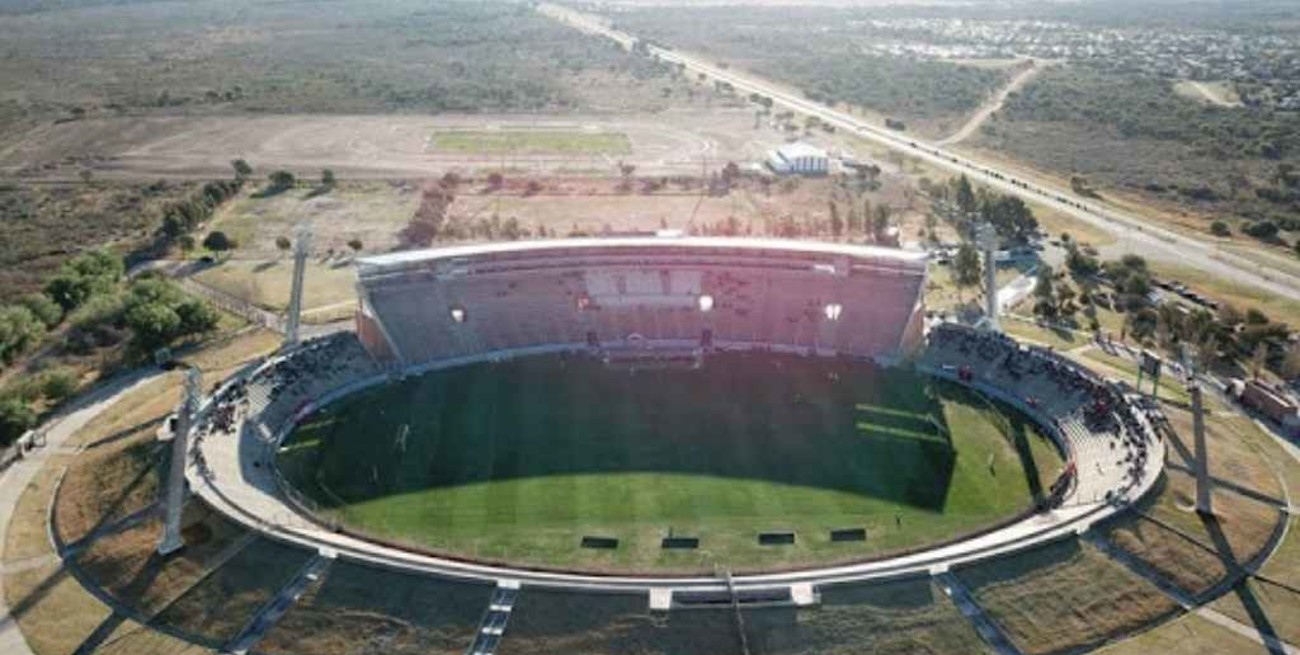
(986, 237)
(174, 492)
(1203, 503)
(301, 249)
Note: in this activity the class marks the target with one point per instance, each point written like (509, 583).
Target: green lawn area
(520, 460)
(1170, 387)
(532, 142)
(1060, 339)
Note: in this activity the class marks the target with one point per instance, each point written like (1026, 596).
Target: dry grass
(562, 623)
(1193, 553)
(363, 609)
(1054, 338)
(215, 609)
(1284, 565)
(370, 211)
(1234, 444)
(131, 638)
(110, 482)
(27, 534)
(54, 612)
(1064, 597)
(1187, 635)
(908, 617)
(126, 566)
(1265, 606)
(267, 283)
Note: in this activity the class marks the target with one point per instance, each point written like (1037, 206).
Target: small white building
(799, 159)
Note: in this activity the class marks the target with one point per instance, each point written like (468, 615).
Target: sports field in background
(532, 142)
(517, 461)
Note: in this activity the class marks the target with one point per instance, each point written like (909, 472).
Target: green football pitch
(518, 461)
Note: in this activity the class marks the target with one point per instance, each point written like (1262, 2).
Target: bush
(1220, 229)
(44, 309)
(1265, 230)
(218, 242)
(19, 331)
(281, 181)
(58, 385)
(15, 419)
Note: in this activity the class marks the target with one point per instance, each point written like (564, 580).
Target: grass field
(519, 461)
(904, 617)
(532, 142)
(562, 623)
(358, 607)
(1064, 598)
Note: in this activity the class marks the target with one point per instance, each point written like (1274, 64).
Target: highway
(1139, 235)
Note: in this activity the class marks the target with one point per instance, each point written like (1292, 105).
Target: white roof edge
(595, 243)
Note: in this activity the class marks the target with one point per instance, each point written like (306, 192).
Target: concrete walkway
(15, 480)
(248, 493)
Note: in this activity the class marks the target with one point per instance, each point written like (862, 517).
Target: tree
(186, 244)
(495, 180)
(280, 181)
(242, 169)
(15, 419)
(58, 384)
(48, 312)
(19, 331)
(153, 323)
(283, 244)
(218, 242)
(837, 224)
(84, 276)
(1220, 229)
(197, 317)
(966, 267)
(1262, 230)
(965, 196)
(1045, 304)
(327, 178)
(356, 245)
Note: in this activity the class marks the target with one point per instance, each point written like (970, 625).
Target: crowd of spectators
(1047, 380)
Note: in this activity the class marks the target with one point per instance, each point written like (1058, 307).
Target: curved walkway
(15, 480)
(241, 483)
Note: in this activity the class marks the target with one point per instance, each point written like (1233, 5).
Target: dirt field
(373, 146)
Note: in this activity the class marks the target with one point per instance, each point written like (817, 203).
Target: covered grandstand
(427, 306)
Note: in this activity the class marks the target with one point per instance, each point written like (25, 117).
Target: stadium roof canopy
(740, 244)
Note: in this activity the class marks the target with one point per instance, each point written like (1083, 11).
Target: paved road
(1141, 236)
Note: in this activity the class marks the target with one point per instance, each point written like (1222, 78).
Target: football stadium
(635, 444)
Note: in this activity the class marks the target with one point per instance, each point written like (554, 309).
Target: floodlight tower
(1203, 503)
(301, 249)
(174, 492)
(986, 238)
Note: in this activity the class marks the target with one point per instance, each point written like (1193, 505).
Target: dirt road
(994, 104)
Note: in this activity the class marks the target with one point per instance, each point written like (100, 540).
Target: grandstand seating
(1093, 415)
(762, 292)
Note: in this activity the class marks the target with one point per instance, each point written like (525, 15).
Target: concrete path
(987, 629)
(16, 479)
(269, 614)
